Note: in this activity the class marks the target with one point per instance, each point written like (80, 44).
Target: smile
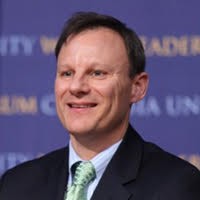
(85, 105)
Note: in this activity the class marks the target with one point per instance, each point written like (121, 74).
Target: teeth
(80, 106)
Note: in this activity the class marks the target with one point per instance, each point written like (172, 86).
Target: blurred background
(169, 115)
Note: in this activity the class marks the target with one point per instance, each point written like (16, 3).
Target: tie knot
(84, 173)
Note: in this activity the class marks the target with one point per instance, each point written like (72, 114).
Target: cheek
(123, 92)
(111, 94)
(60, 88)
(105, 90)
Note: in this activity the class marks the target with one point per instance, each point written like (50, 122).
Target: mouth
(82, 105)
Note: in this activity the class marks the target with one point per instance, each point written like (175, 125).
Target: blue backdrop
(168, 116)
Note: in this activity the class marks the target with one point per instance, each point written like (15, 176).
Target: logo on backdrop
(171, 105)
(165, 46)
(27, 105)
(151, 106)
(17, 45)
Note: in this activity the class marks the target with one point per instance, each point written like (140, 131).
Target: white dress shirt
(100, 162)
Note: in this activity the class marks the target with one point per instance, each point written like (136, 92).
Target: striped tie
(84, 174)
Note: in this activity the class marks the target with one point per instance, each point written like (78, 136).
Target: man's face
(92, 86)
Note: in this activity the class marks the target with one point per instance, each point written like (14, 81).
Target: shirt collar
(100, 161)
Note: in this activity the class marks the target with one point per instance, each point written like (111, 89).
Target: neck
(89, 146)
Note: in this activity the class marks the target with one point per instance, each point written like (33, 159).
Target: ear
(139, 87)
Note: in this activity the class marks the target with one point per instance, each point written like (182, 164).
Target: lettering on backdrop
(23, 105)
(165, 46)
(182, 105)
(14, 104)
(15, 45)
(173, 106)
(168, 46)
(150, 106)
(47, 105)
(47, 44)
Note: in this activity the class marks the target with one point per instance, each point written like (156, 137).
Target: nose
(79, 86)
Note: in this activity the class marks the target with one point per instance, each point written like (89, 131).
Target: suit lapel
(122, 169)
(110, 187)
(57, 177)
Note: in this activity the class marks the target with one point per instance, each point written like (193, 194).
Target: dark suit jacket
(138, 171)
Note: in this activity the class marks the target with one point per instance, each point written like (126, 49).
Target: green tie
(84, 174)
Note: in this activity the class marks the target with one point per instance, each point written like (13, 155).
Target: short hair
(81, 21)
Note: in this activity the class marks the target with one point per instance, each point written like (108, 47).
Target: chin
(79, 130)
(79, 126)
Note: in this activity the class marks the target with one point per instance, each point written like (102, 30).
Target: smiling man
(94, 91)
(100, 74)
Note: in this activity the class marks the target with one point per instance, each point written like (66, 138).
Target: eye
(98, 73)
(67, 73)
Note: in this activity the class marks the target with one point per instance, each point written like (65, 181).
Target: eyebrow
(94, 64)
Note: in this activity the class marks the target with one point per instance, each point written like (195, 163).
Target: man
(100, 74)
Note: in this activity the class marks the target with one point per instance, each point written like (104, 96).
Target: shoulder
(156, 156)
(175, 178)
(36, 168)
(152, 157)
(54, 157)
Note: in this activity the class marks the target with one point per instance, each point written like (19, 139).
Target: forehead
(96, 32)
(99, 43)
(98, 37)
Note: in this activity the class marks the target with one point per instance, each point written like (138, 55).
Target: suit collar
(122, 169)
(128, 157)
